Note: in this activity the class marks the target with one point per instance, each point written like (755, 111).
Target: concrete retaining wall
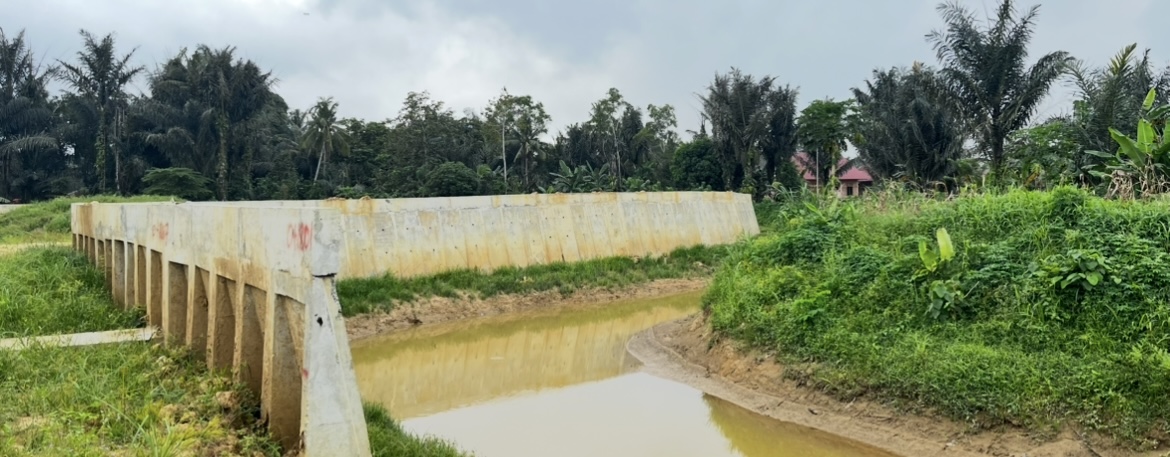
(252, 290)
(421, 236)
(251, 285)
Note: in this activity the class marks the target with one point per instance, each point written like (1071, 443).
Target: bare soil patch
(436, 310)
(682, 351)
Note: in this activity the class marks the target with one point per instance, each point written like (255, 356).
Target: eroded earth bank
(685, 351)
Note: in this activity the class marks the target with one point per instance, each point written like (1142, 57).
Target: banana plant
(1144, 159)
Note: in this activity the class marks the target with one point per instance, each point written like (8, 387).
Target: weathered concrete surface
(251, 288)
(81, 339)
(412, 237)
(420, 236)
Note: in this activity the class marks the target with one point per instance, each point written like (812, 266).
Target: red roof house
(853, 182)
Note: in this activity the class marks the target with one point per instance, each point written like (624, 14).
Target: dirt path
(680, 351)
(438, 309)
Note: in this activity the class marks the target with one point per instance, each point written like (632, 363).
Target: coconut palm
(985, 68)
(325, 133)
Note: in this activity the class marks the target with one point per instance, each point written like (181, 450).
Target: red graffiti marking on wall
(304, 373)
(300, 237)
(161, 231)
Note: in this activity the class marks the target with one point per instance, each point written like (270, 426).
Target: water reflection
(560, 383)
(754, 435)
(443, 367)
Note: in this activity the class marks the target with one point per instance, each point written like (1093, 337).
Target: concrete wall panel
(210, 275)
(250, 286)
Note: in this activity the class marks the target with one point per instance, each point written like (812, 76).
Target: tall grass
(49, 221)
(1055, 309)
(54, 290)
(383, 293)
(121, 399)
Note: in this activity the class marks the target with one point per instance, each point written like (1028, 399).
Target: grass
(122, 399)
(359, 296)
(125, 399)
(388, 439)
(45, 291)
(49, 221)
(1053, 312)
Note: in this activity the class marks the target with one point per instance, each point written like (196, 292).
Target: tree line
(211, 126)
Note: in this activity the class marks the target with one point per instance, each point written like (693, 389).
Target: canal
(560, 382)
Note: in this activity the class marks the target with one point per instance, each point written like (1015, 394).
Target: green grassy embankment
(129, 398)
(48, 222)
(124, 399)
(360, 296)
(1043, 310)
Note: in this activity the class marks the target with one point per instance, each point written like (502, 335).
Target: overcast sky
(368, 54)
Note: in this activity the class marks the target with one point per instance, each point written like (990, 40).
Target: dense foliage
(1035, 308)
(210, 124)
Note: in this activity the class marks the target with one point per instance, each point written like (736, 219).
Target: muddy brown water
(560, 382)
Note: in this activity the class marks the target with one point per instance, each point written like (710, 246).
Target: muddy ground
(439, 309)
(681, 351)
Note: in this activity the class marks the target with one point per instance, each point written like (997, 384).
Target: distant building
(853, 182)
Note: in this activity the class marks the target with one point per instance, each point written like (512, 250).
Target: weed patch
(1040, 309)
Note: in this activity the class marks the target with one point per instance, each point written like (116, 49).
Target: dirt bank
(680, 350)
(439, 309)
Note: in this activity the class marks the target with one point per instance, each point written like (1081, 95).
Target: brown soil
(681, 351)
(439, 309)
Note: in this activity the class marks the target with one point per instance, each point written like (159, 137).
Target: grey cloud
(369, 53)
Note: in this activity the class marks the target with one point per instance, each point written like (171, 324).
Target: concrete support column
(154, 288)
(248, 359)
(118, 278)
(198, 309)
(221, 330)
(174, 302)
(284, 322)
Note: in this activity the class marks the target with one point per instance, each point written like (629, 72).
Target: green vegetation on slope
(122, 399)
(388, 439)
(46, 291)
(132, 398)
(1044, 308)
(49, 221)
(139, 398)
(365, 295)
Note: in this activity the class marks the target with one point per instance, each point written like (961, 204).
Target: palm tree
(908, 130)
(25, 118)
(1111, 97)
(324, 132)
(205, 108)
(822, 130)
(99, 79)
(742, 112)
(987, 72)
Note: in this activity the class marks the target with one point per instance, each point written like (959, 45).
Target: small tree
(184, 183)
